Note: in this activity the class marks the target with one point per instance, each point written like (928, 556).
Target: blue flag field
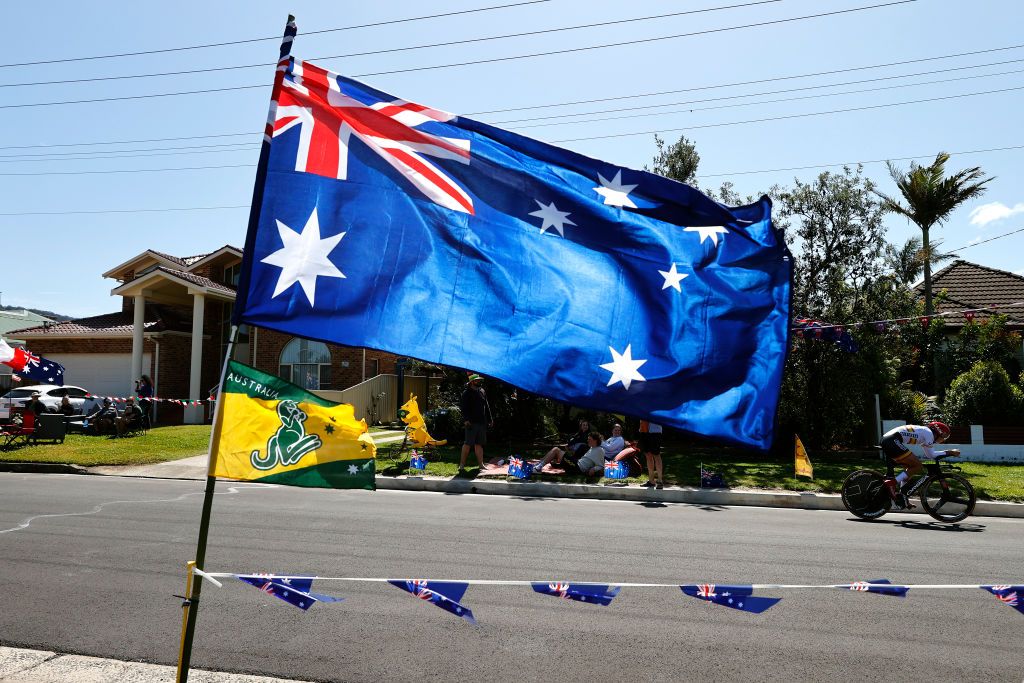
(394, 226)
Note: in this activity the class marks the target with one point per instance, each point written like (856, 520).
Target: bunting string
(621, 584)
(448, 594)
(880, 325)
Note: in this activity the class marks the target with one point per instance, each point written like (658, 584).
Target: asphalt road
(99, 580)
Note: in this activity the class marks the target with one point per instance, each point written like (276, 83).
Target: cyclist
(896, 446)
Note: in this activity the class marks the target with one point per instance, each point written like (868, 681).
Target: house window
(306, 363)
(231, 274)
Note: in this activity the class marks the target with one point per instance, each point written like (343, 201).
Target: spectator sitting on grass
(576, 445)
(614, 444)
(589, 463)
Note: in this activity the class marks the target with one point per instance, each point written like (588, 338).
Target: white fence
(376, 399)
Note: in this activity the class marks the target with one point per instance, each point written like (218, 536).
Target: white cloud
(994, 211)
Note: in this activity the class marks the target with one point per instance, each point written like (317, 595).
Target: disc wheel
(948, 497)
(865, 495)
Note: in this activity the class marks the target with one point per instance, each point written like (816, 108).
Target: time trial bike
(945, 495)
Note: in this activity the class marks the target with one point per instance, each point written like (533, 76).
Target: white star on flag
(552, 217)
(624, 368)
(352, 469)
(614, 192)
(673, 278)
(708, 232)
(303, 257)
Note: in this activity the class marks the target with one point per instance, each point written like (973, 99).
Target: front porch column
(194, 415)
(138, 328)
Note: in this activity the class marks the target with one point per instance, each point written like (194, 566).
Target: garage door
(104, 374)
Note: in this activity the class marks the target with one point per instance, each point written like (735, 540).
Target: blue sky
(55, 261)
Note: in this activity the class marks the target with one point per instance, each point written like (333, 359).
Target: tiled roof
(158, 319)
(969, 285)
(198, 280)
(174, 259)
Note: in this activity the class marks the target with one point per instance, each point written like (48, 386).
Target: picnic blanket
(493, 469)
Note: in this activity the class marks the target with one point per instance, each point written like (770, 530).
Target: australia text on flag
(396, 226)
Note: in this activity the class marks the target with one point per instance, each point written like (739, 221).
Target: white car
(50, 395)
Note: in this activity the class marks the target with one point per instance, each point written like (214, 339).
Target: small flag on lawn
(709, 479)
(802, 462)
(444, 594)
(595, 594)
(295, 590)
(616, 470)
(273, 431)
(872, 587)
(418, 461)
(519, 468)
(736, 597)
(1012, 596)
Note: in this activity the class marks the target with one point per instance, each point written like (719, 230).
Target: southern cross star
(303, 257)
(624, 368)
(708, 232)
(673, 278)
(352, 469)
(551, 217)
(614, 192)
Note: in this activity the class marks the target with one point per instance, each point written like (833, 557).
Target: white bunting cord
(860, 585)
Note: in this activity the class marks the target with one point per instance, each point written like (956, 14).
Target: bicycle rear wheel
(865, 495)
(947, 497)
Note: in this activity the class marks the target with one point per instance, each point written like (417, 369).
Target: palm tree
(907, 262)
(930, 197)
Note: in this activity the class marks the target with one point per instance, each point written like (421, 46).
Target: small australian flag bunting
(736, 597)
(391, 225)
(874, 587)
(417, 461)
(582, 592)
(1012, 596)
(444, 594)
(295, 590)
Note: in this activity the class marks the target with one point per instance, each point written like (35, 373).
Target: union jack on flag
(706, 590)
(311, 99)
(1008, 594)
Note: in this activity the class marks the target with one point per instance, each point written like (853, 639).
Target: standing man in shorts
(476, 416)
(650, 446)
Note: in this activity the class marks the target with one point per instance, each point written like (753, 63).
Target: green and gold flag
(275, 432)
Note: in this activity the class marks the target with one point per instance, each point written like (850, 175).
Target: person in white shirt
(614, 444)
(590, 463)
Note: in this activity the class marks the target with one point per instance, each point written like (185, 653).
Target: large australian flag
(390, 225)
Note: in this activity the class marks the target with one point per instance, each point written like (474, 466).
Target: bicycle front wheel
(865, 495)
(947, 497)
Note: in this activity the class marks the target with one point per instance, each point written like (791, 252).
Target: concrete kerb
(692, 496)
(195, 468)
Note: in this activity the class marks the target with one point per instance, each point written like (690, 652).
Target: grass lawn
(740, 469)
(157, 445)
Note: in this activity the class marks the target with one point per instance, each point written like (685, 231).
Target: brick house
(173, 325)
(967, 285)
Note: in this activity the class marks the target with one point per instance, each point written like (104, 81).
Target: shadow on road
(923, 526)
(698, 506)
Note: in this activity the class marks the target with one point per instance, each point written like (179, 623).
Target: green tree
(837, 238)
(677, 161)
(906, 262)
(979, 341)
(984, 395)
(929, 196)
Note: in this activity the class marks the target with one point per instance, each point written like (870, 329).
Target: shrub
(984, 395)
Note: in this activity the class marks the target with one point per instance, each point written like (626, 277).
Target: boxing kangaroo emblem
(290, 443)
